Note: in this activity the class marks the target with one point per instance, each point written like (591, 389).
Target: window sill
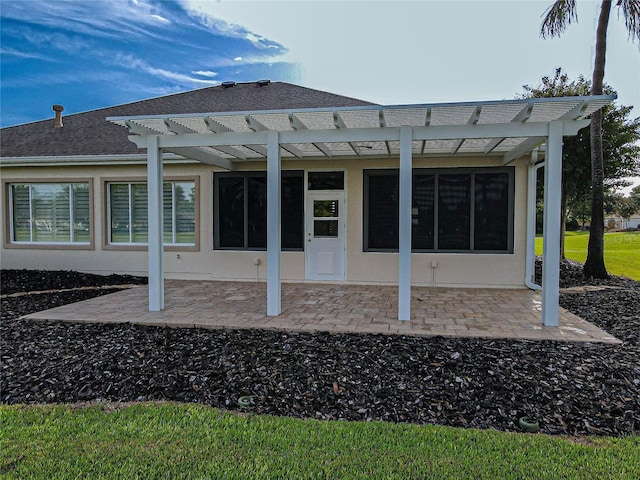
(131, 247)
(50, 246)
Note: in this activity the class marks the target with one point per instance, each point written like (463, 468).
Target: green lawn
(621, 251)
(194, 441)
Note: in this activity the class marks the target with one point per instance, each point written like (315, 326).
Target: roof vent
(228, 84)
(58, 109)
(263, 83)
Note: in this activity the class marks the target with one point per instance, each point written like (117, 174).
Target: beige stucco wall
(474, 270)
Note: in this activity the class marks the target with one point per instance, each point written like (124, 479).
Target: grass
(170, 440)
(621, 251)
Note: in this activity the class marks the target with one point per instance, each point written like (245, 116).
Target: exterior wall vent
(263, 83)
(228, 84)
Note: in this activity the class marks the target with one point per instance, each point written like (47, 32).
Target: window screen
(240, 214)
(462, 210)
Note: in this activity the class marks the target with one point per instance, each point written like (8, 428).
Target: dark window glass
(245, 226)
(454, 211)
(382, 211)
(326, 180)
(257, 212)
(325, 228)
(490, 192)
(422, 212)
(231, 211)
(292, 216)
(491, 214)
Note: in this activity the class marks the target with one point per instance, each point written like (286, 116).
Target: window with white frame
(50, 213)
(127, 213)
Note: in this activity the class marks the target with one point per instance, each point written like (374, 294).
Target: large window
(240, 211)
(462, 210)
(51, 213)
(128, 214)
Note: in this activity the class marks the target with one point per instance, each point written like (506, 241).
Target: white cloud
(160, 19)
(130, 61)
(205, 73)
(237, 59)
(15, 53)
(104, 18)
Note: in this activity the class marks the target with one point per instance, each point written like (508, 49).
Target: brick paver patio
(456, 312)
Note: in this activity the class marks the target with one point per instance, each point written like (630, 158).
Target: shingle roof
(89, 133)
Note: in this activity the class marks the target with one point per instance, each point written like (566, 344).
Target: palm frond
(559, 16)
(631, 13)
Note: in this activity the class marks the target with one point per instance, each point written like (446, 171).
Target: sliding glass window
(128, 213)
(50, 213)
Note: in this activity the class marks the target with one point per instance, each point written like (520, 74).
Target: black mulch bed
(571, 388)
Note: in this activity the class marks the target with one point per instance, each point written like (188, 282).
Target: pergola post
(404, 243)
(273, 224)
(551, 226)
(155, 224)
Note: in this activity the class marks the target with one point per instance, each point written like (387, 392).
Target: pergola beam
(427, 122)
(194, 152)
(197, 153)
(178, 128)
(374, 134)
(257, 126)
(298, 124)
(525, 147)
(576, 112)
(473, 119)
(338, 122)
(383, 124)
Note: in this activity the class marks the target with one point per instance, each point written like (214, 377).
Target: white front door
(325, 236)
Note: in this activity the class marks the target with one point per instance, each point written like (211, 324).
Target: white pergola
(508, 129)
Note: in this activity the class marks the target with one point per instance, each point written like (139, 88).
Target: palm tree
(559, 16)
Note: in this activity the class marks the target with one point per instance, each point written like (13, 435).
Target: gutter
(84, 160)
(529, 274)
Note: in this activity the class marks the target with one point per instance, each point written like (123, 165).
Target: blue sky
(87, 54)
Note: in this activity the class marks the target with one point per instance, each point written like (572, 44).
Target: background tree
(635, 196)
(621, 152)
(626, 208)
(559, 16)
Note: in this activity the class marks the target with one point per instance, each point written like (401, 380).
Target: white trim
(84, 160)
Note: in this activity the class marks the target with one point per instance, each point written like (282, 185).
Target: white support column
(154, 195)
(551, 226)
(404, 250)
(273, 224)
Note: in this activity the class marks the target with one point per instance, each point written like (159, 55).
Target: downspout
(529, 274)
